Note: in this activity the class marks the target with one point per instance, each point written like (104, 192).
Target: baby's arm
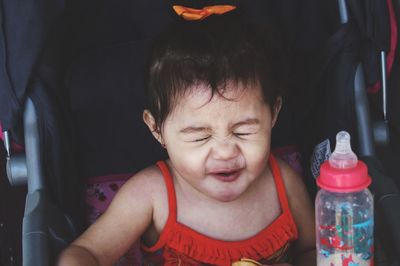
(128, 216)
(303, 214)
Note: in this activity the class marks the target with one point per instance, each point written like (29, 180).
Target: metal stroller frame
(46, 228)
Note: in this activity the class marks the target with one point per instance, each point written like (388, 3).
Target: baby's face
(219, 147)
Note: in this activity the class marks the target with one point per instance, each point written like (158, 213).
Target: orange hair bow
(198, 14)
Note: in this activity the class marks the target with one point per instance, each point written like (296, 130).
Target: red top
(182, 244)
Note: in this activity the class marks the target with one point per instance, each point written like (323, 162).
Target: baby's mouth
(226, 176)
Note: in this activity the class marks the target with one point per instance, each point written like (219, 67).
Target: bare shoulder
(293, 181)
(148, 187)
(126, 219)
(290, 177)
(296, 190)
(147, 182)
(300, 205)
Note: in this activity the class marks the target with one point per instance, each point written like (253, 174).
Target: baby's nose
(225, 149)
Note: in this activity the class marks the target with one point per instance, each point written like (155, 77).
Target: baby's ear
(276, 109)
(151, 124)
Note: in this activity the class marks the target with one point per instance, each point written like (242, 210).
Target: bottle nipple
(343, 157)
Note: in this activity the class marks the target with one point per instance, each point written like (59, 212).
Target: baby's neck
(233, 220)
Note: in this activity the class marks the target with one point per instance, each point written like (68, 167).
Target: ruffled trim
(183, 244)
(192, 244)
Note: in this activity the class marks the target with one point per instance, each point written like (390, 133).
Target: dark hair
(212, 51)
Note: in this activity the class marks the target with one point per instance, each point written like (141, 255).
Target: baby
(222, 198)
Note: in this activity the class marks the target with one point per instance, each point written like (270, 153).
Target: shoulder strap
(171, 220)
(280, 186)
(169, 183)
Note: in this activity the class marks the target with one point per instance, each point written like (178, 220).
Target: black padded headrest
(107, 101)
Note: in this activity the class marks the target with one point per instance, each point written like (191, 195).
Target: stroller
(71, 94)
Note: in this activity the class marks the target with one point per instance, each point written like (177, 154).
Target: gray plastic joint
(17, 171)
(381, 133)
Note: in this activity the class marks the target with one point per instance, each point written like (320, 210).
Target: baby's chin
(227, 196)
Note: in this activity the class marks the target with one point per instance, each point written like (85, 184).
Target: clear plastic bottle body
(344, 225)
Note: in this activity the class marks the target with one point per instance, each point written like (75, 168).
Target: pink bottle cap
(344, 180)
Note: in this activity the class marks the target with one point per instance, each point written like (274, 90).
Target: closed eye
(242, 134)
(201, 139)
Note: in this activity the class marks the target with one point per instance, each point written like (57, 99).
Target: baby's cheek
(259, 149)
(257, 158)
(188, 161)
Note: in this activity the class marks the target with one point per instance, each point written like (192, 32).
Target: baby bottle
(344, 209)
